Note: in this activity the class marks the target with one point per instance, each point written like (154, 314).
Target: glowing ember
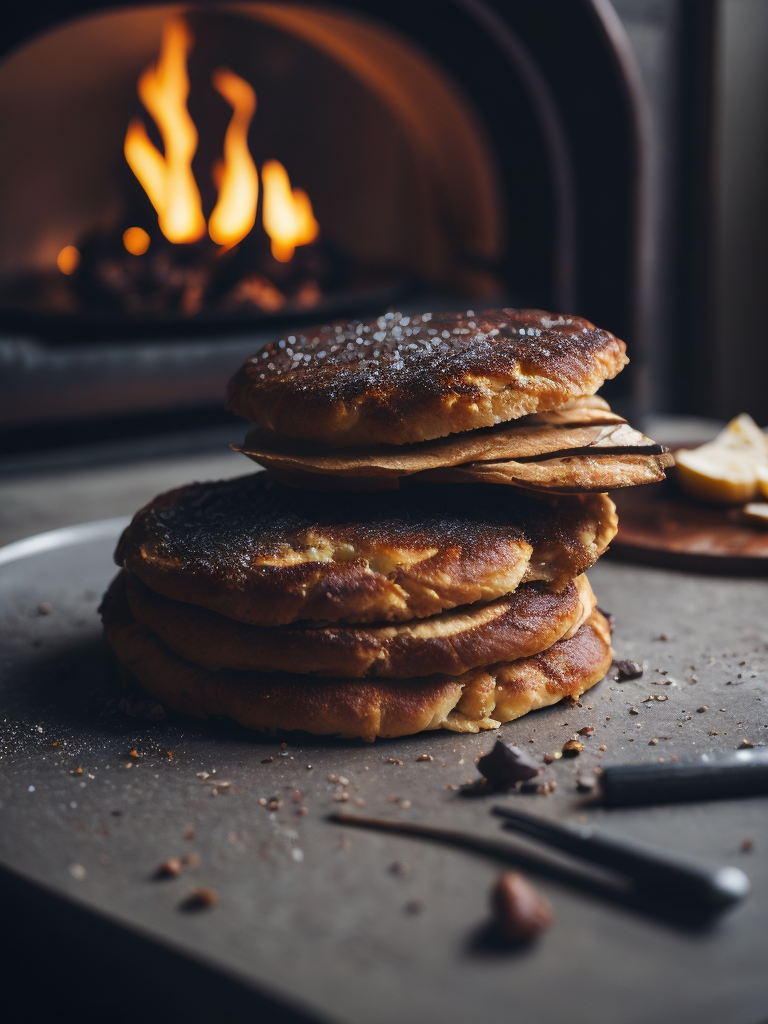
(68, 260)
(236, 177)
(288, 217)
(136, 241)
(168, 180)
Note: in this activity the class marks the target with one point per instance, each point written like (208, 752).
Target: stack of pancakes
(414, 556)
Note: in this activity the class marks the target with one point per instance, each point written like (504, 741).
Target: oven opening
(189, 171)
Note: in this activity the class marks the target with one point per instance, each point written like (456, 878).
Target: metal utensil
(668, 874)
(710, 777)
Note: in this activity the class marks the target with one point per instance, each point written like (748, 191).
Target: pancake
(399, 379)
(259, 552)
(526, 438)
(479, 699)
(573, 474)
(526, 622)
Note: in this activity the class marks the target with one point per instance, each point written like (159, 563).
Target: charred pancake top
(267, 554)
(401, 379)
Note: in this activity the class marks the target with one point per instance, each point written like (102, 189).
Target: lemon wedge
(732, 469)
(757, 513)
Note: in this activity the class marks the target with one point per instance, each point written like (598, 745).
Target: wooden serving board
(659, 525)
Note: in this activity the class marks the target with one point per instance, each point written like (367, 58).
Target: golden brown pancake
(259, 552)
(479, 699)
(522, 624)
(399, 380)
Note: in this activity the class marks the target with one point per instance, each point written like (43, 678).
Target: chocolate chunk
(627, 670)
(521, 913)
(507, 764)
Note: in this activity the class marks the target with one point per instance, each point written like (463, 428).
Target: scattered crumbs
(549, 758)
(586, 783)
(572, 748)
(404, 805)
(262, 801)
(538, 788)
(633, 711)
(662, 697)
(201, 898)
(661, 760)
(663, 636)
(392, 798)
(269, 760)
(202, 775)
(133, 753)
(76, 771)
(78, 872)
(652, 743)
(400, 867)
(169, 868)
(394, 760)
(703, 708)
(45, 608)
(586, 730)
(192, 860)
(309, 767)
(746, 845)
(602, 747)
(360, 802)
(451, 785)
(745, 745)
(297, 796)
(274, 804)
(425, 757)
(627, 670)
(333, 778)
(341, 796)
(714, 732)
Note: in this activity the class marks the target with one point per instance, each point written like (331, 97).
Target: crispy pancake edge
(352, 573)
(523, 624)
(364, 708)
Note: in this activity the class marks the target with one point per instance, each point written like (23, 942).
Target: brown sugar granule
(274, 804)
(169, 868)
(586, 730)
(394, 760)
(704, 707)
(746, 845)
(602, 747)
(341, 797)
(572, 748)
(201, 898)
(425, 757)
(745, 745)
(44, 608)
(133, 753)
(653, 742)
(520, 912)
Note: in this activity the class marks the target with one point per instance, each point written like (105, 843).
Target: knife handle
(709, 777)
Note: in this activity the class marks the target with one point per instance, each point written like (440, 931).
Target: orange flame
(168, 180)
(288, 217)
(236, 176)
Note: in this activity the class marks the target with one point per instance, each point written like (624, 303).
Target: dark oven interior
(183, 181)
